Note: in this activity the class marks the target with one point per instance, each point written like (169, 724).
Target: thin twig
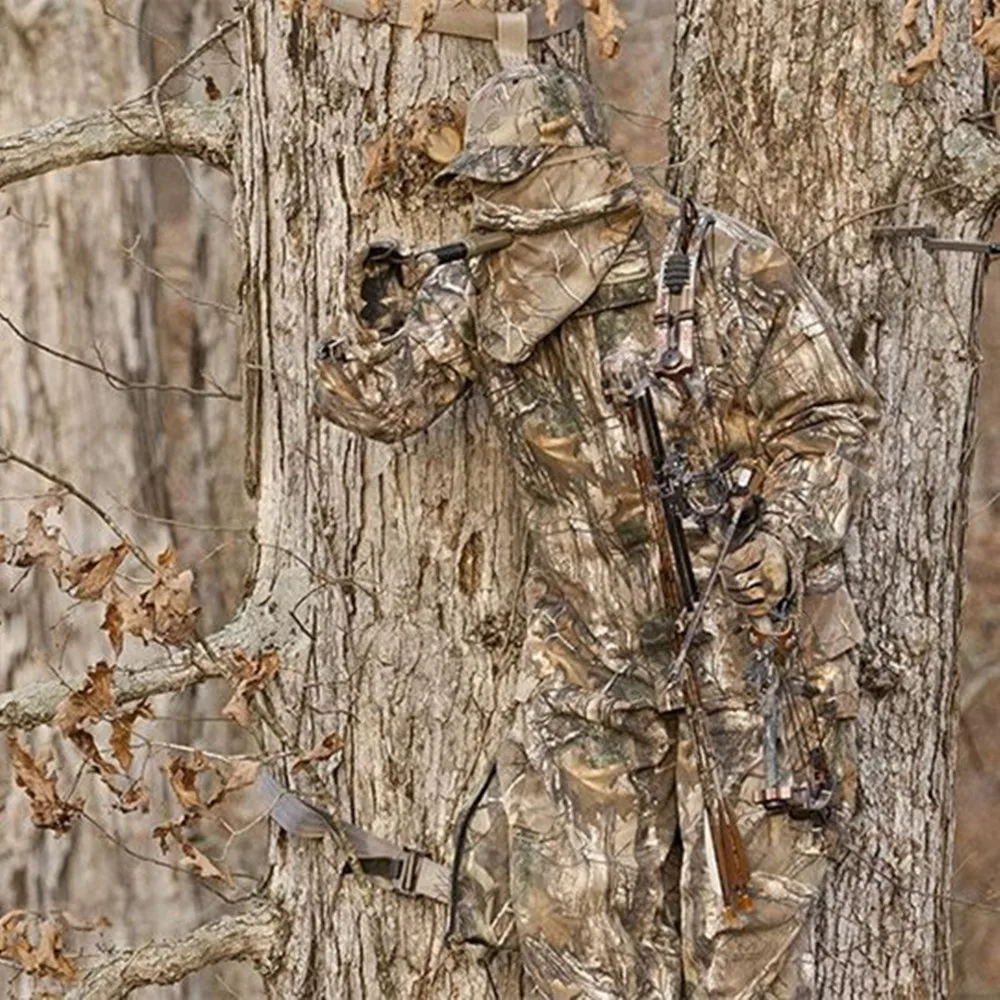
(6, 455)
(155, 91)
(877, 210)
(113, 379)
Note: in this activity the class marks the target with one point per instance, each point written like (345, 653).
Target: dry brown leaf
(607, 24)
(44, 959)
(125, 615)
(48, 810)
(241, 774)
(3, 548)
(49, 958)
(53, 500)
(906, 33)
(193, 859)
(135, 797)
(918, 66)
(251, 676)
(987, 40)
(165, 832)
(87, 576)
(552, 11)
(78, 923)
(198, 863)
(169, 604)
(327, 747)
(87, 745)
(183, 776)
(40, 545)
(238, 710)
(121, 732)
(89, 703)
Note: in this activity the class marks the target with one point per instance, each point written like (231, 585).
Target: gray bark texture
(788, 115)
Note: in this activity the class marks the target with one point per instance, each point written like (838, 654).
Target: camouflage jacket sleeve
(817, 416)
(387, 381)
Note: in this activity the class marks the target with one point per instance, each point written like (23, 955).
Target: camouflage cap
(518, 117)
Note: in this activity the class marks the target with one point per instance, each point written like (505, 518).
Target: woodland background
(137, 257)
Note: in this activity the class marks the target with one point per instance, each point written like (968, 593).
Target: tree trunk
(414, 552)
(788, 116)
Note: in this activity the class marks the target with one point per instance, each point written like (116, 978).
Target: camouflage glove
(756, 575)
(382, 281)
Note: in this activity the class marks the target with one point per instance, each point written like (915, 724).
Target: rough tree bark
(388, 577)
(789, 115)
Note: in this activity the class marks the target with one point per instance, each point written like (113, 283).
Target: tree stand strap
(510, 31)
(411, 872)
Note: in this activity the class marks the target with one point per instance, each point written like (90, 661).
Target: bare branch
(204, 131)
(36, 705)
(116, 381)
(255, 936)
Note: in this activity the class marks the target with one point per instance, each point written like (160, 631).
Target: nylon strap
(466, 21)
(410, 872)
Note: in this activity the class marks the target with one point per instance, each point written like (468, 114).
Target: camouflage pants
(587, 850)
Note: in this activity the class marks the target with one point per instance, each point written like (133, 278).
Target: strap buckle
(405, 879)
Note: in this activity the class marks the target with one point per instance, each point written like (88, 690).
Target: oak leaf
(135, 797)
(48, 810)
(121, 732)
(87, 576)
(251, 676)
(183, 777)
(40, 545)
(89, 703)
(125, 615)
(169, 604)
(200, 864)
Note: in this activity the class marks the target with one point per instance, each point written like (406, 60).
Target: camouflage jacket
(776, 387)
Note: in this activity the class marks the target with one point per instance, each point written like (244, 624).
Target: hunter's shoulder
(735, 249)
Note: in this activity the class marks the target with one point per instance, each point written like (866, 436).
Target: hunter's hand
(381, 281)
(756, 575)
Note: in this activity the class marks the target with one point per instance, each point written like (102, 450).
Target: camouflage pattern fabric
(519, 117)
(587, 851)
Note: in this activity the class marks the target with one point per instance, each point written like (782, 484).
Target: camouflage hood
(573, 216)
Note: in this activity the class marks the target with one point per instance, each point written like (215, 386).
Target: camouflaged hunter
(592, 847)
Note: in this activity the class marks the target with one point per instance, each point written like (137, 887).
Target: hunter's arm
(817, 416)
(387, 381)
